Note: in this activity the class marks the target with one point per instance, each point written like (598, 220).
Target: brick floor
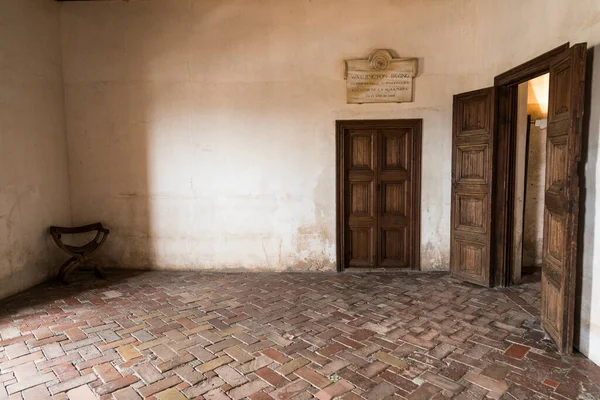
(181, 335)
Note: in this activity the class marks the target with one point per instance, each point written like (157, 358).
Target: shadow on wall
(586, 268)
(188, 143)
(109, 107)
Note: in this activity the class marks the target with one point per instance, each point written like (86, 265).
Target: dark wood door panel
(360, 212)
(361, 246)
(396, 149)
(473, 258)
(394, 179)
(394, 249)
(472, 117)
(361, 199)
(472, 159)
(471, 209)
(379, 185)
(361, 149)
(561, 206)
(395, 198)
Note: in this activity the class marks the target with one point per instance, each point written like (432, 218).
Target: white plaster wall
(589, 335)
(34, 186)
(202, 132)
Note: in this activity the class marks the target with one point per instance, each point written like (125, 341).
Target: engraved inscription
(380, 79)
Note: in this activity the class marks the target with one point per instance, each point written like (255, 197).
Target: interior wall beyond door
(520, 167)
(533, 233)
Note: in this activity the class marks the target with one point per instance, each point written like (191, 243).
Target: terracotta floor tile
(176, 335)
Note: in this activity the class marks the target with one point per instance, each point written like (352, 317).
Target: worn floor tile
(177, 335)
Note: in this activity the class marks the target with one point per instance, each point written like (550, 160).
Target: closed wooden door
(561, 206)
(379, 193)
(361, 197)
(472, 163)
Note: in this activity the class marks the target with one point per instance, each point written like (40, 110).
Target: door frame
(340, 127)
(506, 139)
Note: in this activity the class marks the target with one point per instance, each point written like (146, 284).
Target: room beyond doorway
(529, 179)
(378, 193)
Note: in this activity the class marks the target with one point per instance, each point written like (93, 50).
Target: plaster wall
(533, 232)
(34, 174)
(589, 303)
(203, 131)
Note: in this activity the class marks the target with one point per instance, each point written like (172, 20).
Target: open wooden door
(472, 161)
(565, 111)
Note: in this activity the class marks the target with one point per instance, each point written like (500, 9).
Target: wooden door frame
(504, 172)
(340, 127)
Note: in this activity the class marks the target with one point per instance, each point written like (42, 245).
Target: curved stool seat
(80, 255)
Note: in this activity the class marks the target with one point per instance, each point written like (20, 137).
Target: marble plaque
(380, 79)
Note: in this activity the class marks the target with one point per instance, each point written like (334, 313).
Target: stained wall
(34, 175)
(204, 130)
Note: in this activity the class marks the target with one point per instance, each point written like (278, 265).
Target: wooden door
(472, 162)
(561, 206)
(379, 193)
(361, 160)
(395, 191)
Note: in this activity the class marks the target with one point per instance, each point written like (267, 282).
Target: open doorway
(529, 181)
(484, 141)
